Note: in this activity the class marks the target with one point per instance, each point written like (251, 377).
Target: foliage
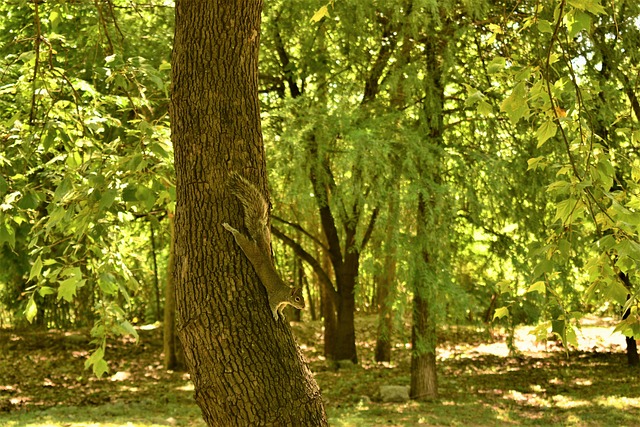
(516, 121)
(581, 114)
(86, 156)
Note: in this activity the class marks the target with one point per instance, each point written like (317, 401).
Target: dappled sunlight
(567, 402)
(592, 336)
(120, 376)
(618, 402)
(480, 384)
(186, 387)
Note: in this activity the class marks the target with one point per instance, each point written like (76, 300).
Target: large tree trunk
(245, 366)
(345, 345)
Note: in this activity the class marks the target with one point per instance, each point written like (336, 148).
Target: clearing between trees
(43, 381)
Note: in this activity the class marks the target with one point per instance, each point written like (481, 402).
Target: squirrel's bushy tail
(256, 209)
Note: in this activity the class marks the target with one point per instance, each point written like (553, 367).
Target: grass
(43, 383)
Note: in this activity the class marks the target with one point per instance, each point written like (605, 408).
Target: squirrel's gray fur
(257, 246)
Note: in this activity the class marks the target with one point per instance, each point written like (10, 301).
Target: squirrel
(257, 245)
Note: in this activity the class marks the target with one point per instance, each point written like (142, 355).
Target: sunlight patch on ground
(530, 399)
(591, 336)
(84, 424)
(619, 402)
(565, 402)
(186, 387)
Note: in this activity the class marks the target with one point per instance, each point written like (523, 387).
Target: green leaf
(558, 327)
(541, 268)
(617, 292)
(31, 309)
(484, 108)
(566, 210)
(473, 96)
(544, 26)
(591, 6)
(67, 288)
(126, 328)
(606, 172)
(107, 284)
(537, 163)
(46, 290)
(515, 105)
(501, 312)
(504, 286)
(547, 130)
(571, 337)
(96, 360)
(36, 268)
(497, 64)
(578, 21)
(4, 186)
(107, 198)
(54, 18)
(7, 235)
(62, 190)
(559, 187)
(129, 193)
(29, 201)
(55, 217)
(541, 331)
(539, 286)
(320, 13)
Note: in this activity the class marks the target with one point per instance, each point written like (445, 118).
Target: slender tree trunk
(632, 351)
(386, 288)
(424, 380)
(632, 348)
(173, 354)
(154, 261)
(245, 366)
(385, 314)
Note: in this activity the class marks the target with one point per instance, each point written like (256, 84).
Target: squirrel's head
(297, 300)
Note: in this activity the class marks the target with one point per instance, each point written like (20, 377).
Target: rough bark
(245, 366)
(424, 380)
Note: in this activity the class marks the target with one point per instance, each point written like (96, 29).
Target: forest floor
(43, 382)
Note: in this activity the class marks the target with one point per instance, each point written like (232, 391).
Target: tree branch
(306, 256)
(302, 230)
(369, 231)
(326, 216)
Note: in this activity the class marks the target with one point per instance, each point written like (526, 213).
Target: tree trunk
(386, 288)
(154, 261)
(245, 366)
(173, 354)
(632, 347)
(345, 345)
(632, 352)
(385, 318)
(424, 380)
(329, 319)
